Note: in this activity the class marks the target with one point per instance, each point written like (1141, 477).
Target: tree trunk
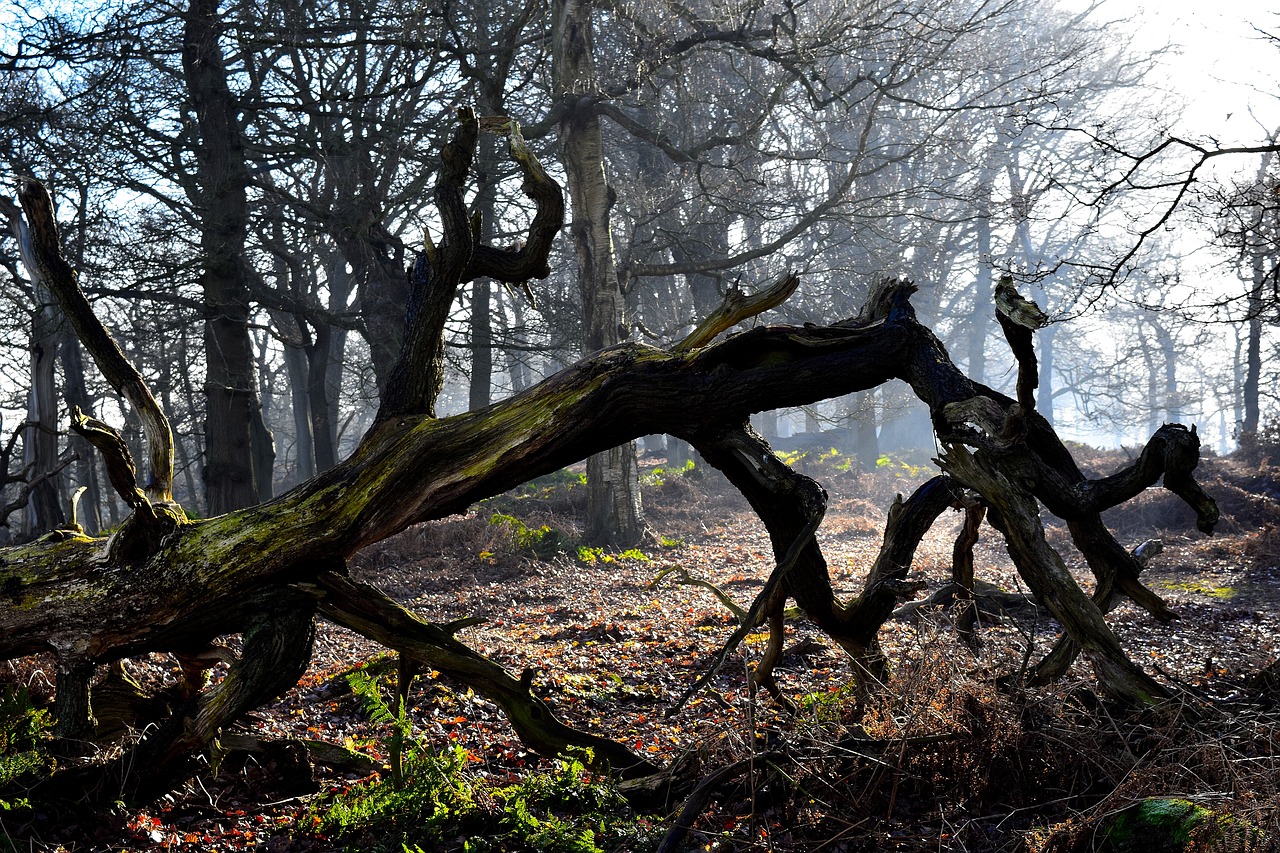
(1152, 404)
(1044, 403)
(325, 364)
(40, 438)
(481, 320)
(320, 404)
(263, 443)
(614, 513)
(867, 439)
(40, 444)
(1256, 254)
(481, 380)
(234, 438)
(1253, 351)
(296, 367)
(519, 355)
(1169, 372)
(190, 400)
(980, 320)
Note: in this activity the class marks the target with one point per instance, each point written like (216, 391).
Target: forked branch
(416, 380)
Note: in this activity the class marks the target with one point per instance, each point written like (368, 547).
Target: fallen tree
(165, 583)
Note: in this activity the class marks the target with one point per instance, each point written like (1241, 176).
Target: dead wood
(166, 583)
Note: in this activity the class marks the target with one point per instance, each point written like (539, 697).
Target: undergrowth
(24, 731)
(943, 758)
(434, 801)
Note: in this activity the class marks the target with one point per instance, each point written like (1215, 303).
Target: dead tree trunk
(165, 583)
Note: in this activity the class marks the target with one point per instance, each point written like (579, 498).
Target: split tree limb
(416, 380)
(886, 583)
(1015, 514)
(812, 503)
(529, 260)
(737, 307)
(697, 801)
(777, 494)
(1026, 445)
(1055, 664)
(680, 575)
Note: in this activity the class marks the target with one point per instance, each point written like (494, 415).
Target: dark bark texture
(163, 583)
(232, 444)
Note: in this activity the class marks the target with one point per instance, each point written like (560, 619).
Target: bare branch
(63, 282)
(736, 307)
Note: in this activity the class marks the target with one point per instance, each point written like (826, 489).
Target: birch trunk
(614, 515)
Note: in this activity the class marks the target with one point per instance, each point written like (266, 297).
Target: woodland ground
(942, 759)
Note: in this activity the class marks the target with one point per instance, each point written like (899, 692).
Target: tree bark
(614, 515)
(296, 367)
(233, 443)
(40, 438)
(166, 583)
(40, 444)
(866, 426)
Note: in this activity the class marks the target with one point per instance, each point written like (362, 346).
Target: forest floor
(969, 764)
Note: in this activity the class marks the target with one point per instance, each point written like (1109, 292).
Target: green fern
(436, 797)
(566, 810)
(24, 728)
(14, 767)
(22, 724)
(364, 684)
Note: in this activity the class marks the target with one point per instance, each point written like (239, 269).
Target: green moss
(1171, 825)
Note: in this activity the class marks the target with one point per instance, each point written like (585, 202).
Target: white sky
(1220, 65)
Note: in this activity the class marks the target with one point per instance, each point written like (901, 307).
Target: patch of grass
(791, 457)
(589, 555)
(1201, 588)
(548, 485)
(899, 467)
(658, 476)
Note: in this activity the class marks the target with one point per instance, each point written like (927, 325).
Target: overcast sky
(1220, 63)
